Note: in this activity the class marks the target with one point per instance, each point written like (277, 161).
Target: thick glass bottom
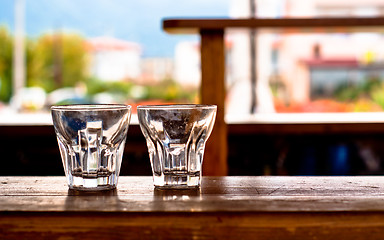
(93, 184)
(177, 181)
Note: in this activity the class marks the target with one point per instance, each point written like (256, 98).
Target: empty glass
(176, 137)
(91, 139)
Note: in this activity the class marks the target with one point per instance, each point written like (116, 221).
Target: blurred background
(98, 51)
(56, 52)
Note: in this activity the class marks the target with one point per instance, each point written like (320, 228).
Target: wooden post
(212, 91)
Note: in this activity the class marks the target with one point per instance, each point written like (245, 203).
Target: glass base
(93, 184)
(177, 181)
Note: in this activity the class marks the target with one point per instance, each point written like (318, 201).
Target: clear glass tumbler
(176, 137)
(91, 140)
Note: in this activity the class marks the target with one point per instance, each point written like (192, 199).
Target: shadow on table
(176, 194)
(103, 201)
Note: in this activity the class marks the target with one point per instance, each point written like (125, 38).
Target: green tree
(6, 46)
(57, 61)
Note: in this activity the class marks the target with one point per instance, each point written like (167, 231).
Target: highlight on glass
(91, 140)
(176, 136)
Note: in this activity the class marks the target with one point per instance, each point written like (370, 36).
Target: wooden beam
(290, 25)
(213, 92)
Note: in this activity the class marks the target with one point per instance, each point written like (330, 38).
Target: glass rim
(176, 106)
(90, 107)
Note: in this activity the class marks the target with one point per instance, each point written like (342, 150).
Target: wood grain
(192, 226)
(259, 194)
(287, 25)
(224, 208)
(213, 92)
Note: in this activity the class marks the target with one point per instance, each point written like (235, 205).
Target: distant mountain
(131, 20)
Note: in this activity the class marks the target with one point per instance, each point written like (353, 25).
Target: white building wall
(156, 69)
(239, 92)
(187, 64)
(116, 65)
(115, 59)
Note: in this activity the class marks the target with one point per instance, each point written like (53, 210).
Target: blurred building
(156, 69)
(114, 59)
(300, 67)
(312, 65)
(240, 90)
(187, 63)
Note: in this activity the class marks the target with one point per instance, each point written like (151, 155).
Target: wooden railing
(213, 61)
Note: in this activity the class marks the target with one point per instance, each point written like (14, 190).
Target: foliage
(378, 95)
(6, 46)
(57, 61)
(167, 90)
(365, 105)
(368, 96)
(52, 62)
(120, 88)
(353, 92)
(170, 90)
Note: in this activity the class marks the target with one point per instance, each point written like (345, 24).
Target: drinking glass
(91, 140)
(176, 137)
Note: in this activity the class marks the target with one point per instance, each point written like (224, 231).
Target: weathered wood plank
(258, 194)
(223, 186)
(224, 208)
(192, 226)
(189, 204)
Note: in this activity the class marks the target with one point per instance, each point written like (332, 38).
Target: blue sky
(132, 20)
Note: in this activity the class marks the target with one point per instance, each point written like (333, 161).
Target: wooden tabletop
(224, 208)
